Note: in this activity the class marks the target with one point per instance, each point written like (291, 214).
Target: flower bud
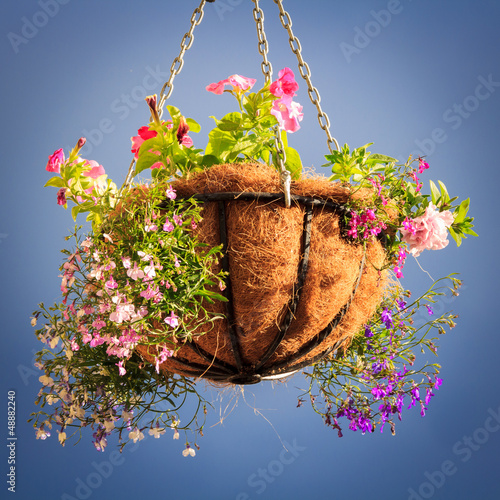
(151, 100)
(81, 142)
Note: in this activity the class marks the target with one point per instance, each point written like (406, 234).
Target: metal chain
(178, 63)
(267, 71)
(175, 69)
(305, 72)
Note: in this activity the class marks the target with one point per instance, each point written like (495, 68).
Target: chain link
(305, 73)
(267, 71)
(187, 41)
(178, 63)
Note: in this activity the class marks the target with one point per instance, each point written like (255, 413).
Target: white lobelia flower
(136, 435)
(156, 432)
(188, 452)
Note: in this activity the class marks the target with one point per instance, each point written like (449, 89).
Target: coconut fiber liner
(271, 262)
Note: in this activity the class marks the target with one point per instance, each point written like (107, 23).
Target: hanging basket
(297, 288)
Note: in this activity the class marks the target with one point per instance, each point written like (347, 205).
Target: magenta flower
(238, 82)
(422, 165)
(288, 113)
(431, 231)
(285, 84)
(182, 138)
(61, 196)
(144, 135)
(56, 159)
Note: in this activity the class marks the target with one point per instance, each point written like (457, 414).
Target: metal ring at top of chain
(306, 75)
(178, 63)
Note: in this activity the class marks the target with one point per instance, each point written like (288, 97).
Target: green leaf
(154, 143)
(462, 210)
(435, 194)
(175, 114)
(445, 197)
(376, 158)
(231, 121)
(209, 160)
(293, 162)
(145, 161)
(55, 182)
(455, 236)
(220, 144)
(193, 125)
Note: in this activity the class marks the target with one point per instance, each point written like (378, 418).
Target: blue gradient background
(395, 92)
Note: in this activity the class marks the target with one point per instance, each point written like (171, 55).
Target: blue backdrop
(419, 77)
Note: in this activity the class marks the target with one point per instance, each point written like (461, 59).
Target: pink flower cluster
(365, 225)
(144, 133)
(93, 171)
(119, 295)
(287, 112)
(429, 231)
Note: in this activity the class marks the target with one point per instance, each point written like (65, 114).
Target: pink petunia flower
(144, 135)
(285, 84)
(430, 231)
(238, 82)
(288, 113)
(56, 159)
(95, 170)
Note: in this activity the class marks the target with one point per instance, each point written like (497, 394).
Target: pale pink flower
(149, 272)
(172, 320)
(144, 256)
(111, 283)
(168, 226)
(56, 159)
(95, 169)
(288, 113)
(123, 313)
(430, 231)
(135, 273)
(170, 193)
(285, 84)
(238, 82)
(127, 263)
(121, 369)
